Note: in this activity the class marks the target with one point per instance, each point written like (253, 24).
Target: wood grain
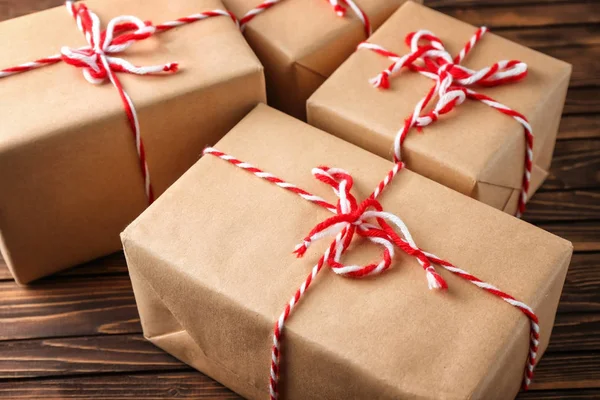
(579, 127)
(565, 206)
(585, 236)
(578, 36)
(168, 385)
(73, 307)
(534, 15)
(580, 293)
(585, 100)
(576, 165)
(85, 355)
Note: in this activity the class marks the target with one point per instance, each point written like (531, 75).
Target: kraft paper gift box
(212, 268)
(473, 149)
(70, 179)
(301, 42)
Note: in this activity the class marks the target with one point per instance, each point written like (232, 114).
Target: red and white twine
(337, 5)
(366, 219)
(452, 82)
(98, 64)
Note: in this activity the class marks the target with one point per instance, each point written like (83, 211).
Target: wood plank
(109, 265)
(584, 235)
(575, 332)
(73, 307)
(553, 36)
(481, 4)
(575, 165)
(584, 100)
(563, 206)
(568, 370)
(576, 394)
(85, 355)
(180, 385)
(585, 61)
(581, 292)
(579, 127)
(534, 15)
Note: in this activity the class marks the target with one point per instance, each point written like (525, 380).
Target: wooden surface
(77, 335)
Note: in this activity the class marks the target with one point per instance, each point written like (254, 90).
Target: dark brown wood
(529, 15)
(84, 355)
(579, 36)
(580, 293)
(584, 235)
(442, 5)
(579, 127)
(167, 385)
(577, 205)
(575, 165)
(584, 100)
(109, 265)
(77, 335)
(67, 307)
(572, 394)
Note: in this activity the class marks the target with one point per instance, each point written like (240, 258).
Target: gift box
(72, 171)
(212, 269)
(484, 148)
(300, 43)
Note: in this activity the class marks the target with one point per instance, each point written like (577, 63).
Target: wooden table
(77, 335)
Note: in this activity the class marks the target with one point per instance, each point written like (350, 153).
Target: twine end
(300, 250)
(339, 10)
(381, 81)
(435, 281)
(171, 67)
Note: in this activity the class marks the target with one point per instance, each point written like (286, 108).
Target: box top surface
(58, 98)
(473, 139)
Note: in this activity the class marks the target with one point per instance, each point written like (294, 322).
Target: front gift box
(213, 272)
(433, 91)
(301, 42)
(78, 162)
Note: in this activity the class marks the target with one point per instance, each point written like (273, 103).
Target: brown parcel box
(69, 175)
(301, 42)
(475, 149)
(212, 268)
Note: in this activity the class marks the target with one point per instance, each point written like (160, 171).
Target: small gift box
(301, 42)
(78, 162)
(213, 271)
(496, 147)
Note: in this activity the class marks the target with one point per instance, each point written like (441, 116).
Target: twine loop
(368, 220)
(121, 32)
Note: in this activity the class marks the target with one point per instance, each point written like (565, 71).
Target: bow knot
(429, 57)
(368, 220)
(120, 34)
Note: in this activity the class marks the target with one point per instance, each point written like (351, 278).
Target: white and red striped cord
(451, 81)
(337, 5)
(98, 65)
(352, 218)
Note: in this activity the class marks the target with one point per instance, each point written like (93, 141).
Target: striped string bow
(452, 87)
(367, 220)
(99, 63)
(337, 5)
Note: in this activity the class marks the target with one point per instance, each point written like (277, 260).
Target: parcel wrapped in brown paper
(475, 148)
(212, 269)
(301, 42)
(70, 177)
